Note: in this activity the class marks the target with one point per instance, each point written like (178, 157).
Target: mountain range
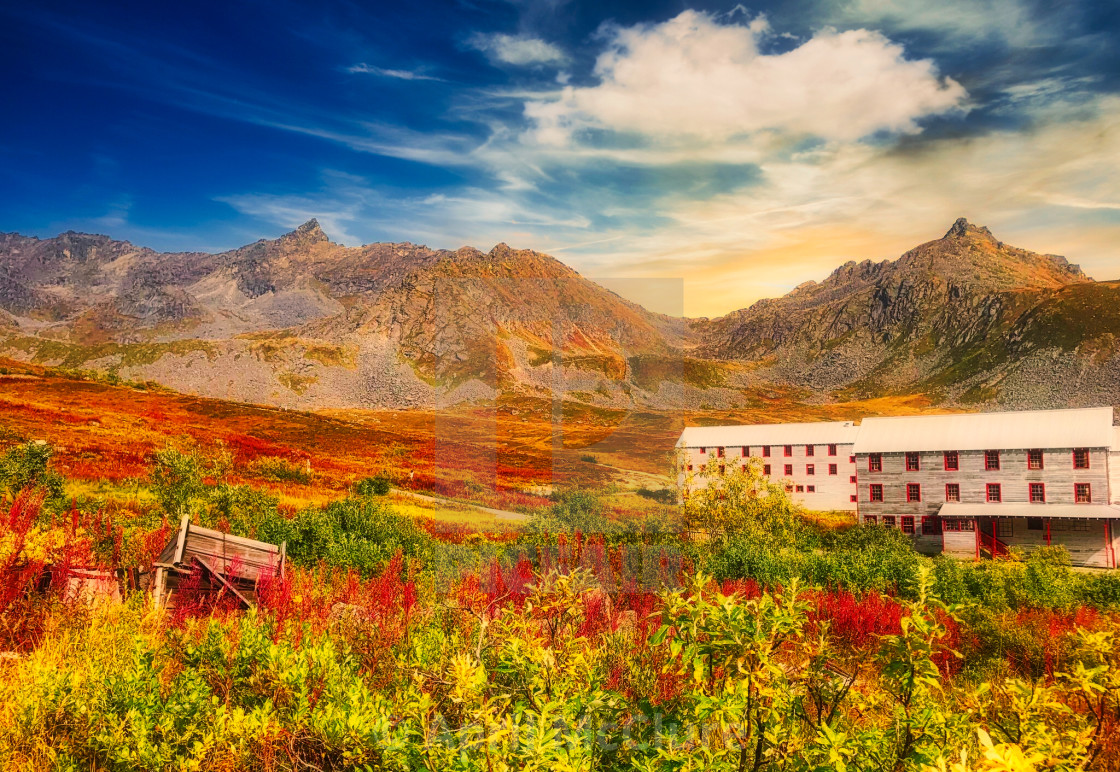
(302, 322)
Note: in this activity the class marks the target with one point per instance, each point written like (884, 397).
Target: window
(812, 489)
(810, 469)
(875, 462)
(719, 452)
(851, 459)
(931, 525)
(1038, 493)
(853, 497)
(1081, 458)
(788, 450)
(994, 492)
(722, 470)
(912, 462)
(853, 479)
(908, 524)
(832, 450)
(833, 469)
(913, 492)
(870, 519)
(1034, 523)
(800, 488)
(809, 450)
(1082, 493)
(876, 493)
(952, 461)
(766, 451)
(991, 460)
(888, 521)
(766, 469)
(789, 470)
(950, 525)
(1034, 459)
(746, 451)
(1079, 525)
(1005, 528)
(968, 525)
(952, 492)
(703, 450)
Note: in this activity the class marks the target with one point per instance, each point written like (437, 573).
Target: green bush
(280, 470)
(378, 485)
(27, 466)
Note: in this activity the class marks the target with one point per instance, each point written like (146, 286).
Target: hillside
(300, 321)
(964, 318)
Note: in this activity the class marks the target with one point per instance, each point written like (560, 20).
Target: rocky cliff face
(301, 321)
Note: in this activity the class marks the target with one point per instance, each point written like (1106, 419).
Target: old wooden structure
(215, 563)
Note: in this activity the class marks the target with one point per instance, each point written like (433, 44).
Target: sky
(734, 150)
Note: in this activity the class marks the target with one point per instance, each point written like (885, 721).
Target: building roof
(1076, 428)
(1006, 509)
(817, 433)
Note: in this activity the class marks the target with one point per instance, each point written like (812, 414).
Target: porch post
(976, 533)
(1047, 532)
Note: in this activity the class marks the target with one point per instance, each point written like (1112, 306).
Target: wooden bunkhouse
(970, 485)
(215, 563)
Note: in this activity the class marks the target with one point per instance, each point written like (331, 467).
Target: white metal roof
(1005, 509)
(1076, 428)
(818, 433)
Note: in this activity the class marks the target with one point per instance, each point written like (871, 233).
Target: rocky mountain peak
(962, 228)
(308, 233)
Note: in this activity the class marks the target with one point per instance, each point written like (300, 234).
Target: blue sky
(744, 148)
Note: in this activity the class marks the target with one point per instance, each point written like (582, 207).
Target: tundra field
(506, 586)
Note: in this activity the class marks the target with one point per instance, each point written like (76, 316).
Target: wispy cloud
(518, 50)
(369, 69)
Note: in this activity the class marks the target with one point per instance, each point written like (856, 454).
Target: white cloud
(517, 49)
(695, 78)
(975, 21)
(370, 69)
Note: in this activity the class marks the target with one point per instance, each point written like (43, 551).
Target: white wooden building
(816, 460)
(970, 485)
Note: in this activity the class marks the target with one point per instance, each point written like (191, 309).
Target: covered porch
(990, 530)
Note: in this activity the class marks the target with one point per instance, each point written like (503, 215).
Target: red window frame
(1077, 487)
(955, 466)
(746, 451)
(1035, 459)
(766, 451)
(870, 520)
(832, 449)
(913, 462)
(889, 521)
(956, 488)
(989, 455)
(913, 492)
(810, 450)
(874, 462)
(1040, 488)
(766, 469)
(853, 479)
(1083, 452)
(703, 451)
(800, 488)
(950, 525)
(789, 470)
(851, 459)
(787, 450)
(833, 469)
(872, 490)
(988, 487)
(907, 524)
(853, 497)
(810, 489)
(719, 452)
(811, 470)
(931, 525)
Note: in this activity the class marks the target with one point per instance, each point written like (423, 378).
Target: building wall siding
(833, 492)
(1057, 474)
